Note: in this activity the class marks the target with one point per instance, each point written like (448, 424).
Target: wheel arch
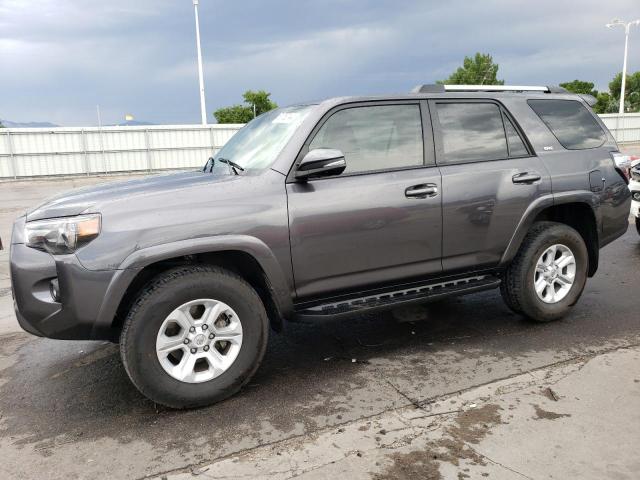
(247, 256)
(579, 210)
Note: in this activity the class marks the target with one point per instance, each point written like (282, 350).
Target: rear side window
(374, 137)
(571, 123)
(471, 132)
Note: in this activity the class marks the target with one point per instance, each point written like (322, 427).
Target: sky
(61, 58)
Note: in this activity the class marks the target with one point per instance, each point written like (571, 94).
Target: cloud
(295, 68)
(58, 59)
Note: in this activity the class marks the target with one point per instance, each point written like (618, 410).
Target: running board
(415, 294)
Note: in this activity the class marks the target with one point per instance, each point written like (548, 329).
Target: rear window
(571, 123)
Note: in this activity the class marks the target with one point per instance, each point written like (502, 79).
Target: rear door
(490, 176)
(373, 224)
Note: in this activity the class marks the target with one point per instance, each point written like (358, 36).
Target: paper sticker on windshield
(286, 117)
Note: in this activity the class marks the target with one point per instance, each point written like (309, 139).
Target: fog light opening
(54, 288)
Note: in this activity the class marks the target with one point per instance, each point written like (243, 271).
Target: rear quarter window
(570, 122)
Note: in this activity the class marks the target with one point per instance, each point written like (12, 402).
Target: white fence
(625, 128)
(33, 152)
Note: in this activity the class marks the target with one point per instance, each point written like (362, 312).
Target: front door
(380, 220)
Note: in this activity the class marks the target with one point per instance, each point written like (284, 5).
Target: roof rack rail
(439, 88)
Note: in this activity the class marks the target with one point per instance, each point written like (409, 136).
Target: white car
(634, 186)
(629, 165)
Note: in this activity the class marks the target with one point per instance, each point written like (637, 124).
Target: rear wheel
(548, 274)
(194, 336)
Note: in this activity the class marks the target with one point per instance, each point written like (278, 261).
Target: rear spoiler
(589, 99)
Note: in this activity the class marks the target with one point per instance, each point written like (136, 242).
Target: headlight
(62, 235)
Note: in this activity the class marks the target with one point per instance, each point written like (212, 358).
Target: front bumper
(73, 315)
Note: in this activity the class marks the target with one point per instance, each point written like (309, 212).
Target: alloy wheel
(555, 273)
(199, 340)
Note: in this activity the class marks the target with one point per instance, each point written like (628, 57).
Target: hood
(89, 199)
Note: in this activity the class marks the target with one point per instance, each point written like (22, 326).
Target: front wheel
(194, 336)
(547, 276)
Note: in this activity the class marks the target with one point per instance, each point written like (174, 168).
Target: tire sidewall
(531, 303)
(142, 361)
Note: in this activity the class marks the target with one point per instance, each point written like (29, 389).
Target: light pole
(203, 108)
(627, 26)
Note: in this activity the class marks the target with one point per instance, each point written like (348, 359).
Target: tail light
(623, 164)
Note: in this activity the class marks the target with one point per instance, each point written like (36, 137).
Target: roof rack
(439, 88)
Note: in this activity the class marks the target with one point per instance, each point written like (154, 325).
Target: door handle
(422, 191)
(526, 177)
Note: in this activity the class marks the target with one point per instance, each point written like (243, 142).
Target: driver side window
(373, 138)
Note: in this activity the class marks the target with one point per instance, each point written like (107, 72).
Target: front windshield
(259, 142)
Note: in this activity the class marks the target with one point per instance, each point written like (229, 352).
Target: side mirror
(209, 165)
(321, 162)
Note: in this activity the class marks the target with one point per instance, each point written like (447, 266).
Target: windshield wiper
(232, 164)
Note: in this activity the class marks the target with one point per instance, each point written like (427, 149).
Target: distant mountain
(10, 124)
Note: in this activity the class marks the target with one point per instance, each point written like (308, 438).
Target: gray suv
(323, 210)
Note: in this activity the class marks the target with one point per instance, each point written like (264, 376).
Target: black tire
(517, 286)
(638, 225)
(157, 300)
(509, 297)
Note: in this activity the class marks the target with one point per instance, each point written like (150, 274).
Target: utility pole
(627, 26)
(203, 108)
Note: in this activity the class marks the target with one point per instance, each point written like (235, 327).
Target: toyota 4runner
(326, 210)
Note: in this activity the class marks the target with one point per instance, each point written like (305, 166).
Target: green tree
(1, 125)
(261, 101)
(631, 94)
(580, 86)
(477, 70)
(256, 103)
(605, 103)
(234, 114)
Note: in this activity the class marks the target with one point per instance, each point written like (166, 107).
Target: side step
(416, 293)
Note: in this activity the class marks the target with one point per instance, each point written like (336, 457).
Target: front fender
(138, 260)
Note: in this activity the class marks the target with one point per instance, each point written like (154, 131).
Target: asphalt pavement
(68, 410)
(576, 419)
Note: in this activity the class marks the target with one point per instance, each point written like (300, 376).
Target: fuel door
(596, 181)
